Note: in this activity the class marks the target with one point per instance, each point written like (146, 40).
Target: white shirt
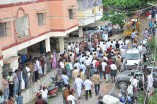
(71, 66)
(150, 81)
(94, 61)
(108, 44)
(61, 65)
(135, 83)
(103, 65)
(140, 47)
(120, 42)
(77, 49)
(82, 59)
(90, 58)
(71, 98)
(77, 65)
(87, 62)
(113, 67)
(122, 52)
(65, 79)
(44, 93)
(69, 47)
(130, 89)
(28, 71)
(37, 65)
(78, 82)
(87, 84)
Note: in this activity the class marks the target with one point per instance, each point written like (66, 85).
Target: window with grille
(41, 18)
(22, 26)
(72, 13)
(5, 29)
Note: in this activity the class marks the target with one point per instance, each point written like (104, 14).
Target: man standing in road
(96, 80)
(113, 71)
(88, 87)
(107, 72)
(78, 83)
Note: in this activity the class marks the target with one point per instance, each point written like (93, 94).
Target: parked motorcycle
(52, 88)
(124, 98)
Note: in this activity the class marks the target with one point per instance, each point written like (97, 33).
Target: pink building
(26, 23)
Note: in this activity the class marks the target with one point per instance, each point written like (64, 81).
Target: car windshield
(132, 56)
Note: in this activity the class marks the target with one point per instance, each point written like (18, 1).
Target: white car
(133, 57)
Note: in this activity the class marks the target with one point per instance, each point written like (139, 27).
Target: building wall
(89, 11)
(60, 15)
(57, 22)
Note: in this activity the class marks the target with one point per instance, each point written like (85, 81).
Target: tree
(118, 18)
(122, 3)
(115, 17)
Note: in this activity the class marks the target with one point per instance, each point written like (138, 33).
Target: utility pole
(145, 84)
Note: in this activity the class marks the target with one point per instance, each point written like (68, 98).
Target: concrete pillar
(61, 44)
(14, 65)
(80, 31)
(47, 45)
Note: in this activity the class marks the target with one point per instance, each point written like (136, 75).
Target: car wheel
(123, 85)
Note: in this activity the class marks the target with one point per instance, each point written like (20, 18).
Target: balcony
(98, 11)
(89, 11)
(86, 17)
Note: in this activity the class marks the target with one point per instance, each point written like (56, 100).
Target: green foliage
(118, 18)
(152, 99)
(115, 18)
(153, 44)
(121, 3)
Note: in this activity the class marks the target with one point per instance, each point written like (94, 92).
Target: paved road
(105, 87)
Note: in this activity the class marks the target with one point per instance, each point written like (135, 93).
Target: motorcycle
(127, 99)
(53, 88)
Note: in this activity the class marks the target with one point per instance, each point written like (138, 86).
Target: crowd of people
(26, 75)
(88, 62)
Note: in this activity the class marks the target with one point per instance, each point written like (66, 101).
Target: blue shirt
(133, 35)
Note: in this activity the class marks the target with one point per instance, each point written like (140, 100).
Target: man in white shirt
(65, 78)
(93, 62)
(82, 66)
(82, 59)
(87, 63)
(120, 41)
(88, 87)
(28, 74)
(62, 66)
(108, 44)
(77, 49)
(44, 93)
(71, 99)
(150, 82)
(77, 64)
(104, 47)
(113, 71)
(122, 52)
(140, 47)
(130, 89)
(78, 83)
(69, 46)
(135, 85)
(103, 64)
